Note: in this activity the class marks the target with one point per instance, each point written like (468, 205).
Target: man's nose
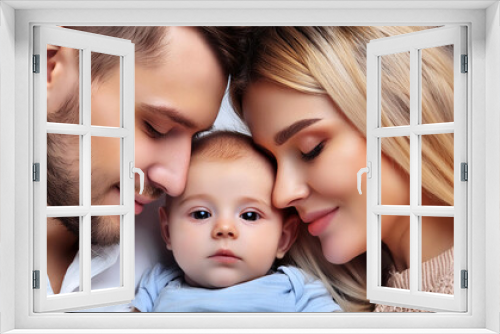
(169, 169)
(224, 228)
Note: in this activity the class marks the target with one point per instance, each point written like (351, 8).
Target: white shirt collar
(102, 259)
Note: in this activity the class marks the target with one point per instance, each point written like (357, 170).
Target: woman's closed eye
(250, 216)
(200, 214)
(313, 153)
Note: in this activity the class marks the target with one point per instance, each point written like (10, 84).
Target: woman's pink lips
(318, 225)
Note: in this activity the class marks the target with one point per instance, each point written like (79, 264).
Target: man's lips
(224, 256)
(140, 201)
(318, 221)
(143, 199)
(138, 208)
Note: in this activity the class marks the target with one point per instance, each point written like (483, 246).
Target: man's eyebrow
(281, 137)
(172, 113)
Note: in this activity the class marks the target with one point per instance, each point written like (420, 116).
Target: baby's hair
(226, 145)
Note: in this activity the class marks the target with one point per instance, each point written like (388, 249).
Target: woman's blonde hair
(332, 61)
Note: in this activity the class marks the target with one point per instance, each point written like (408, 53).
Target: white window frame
(85, 43)
(412, 44)
(483, 122)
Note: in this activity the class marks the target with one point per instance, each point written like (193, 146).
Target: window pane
(106, 181)
(437, 84)
(63, 258)
(395, 89)
(64, 111)
(106, 234)
(105, 90)
(395, 266)
(395, 171)
(63, 170)
(437, 169)
(437, 254)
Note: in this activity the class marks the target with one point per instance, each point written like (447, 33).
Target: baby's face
(223, 229)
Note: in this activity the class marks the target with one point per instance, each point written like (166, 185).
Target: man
(180, 78)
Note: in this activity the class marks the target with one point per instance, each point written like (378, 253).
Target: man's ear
(288, 235)
(164, 227)
(63, 76)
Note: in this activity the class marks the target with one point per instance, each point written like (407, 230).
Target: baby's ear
(164, 227)
(288, 235)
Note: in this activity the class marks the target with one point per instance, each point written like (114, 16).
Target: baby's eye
(252, 216)
(200, 214)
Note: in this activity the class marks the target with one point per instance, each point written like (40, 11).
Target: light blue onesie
(288, 289)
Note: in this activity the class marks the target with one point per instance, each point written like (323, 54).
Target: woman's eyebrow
(281, 137)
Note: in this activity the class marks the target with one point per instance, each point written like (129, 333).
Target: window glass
(391, 82)
(68, 109)
(106, 233)
(441, 73)
(64, 254)
(434, 230)
(106, 98)
(437, 169)
(106, 173)
(63, 170)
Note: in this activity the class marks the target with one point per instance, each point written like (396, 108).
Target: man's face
(175, 98)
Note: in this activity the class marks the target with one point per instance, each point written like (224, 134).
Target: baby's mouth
(225, 256)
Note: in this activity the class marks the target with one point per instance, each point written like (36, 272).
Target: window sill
(248, 331)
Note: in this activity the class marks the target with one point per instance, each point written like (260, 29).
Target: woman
(302, 93)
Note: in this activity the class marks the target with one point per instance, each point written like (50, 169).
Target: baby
(225, 237)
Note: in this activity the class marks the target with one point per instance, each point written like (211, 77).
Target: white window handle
(368, 171)
(139, 171)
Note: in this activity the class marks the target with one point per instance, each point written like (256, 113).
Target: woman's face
(318, 155)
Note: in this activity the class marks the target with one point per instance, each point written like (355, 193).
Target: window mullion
(421, 211)
(433, 128)
(414, 170)
(127, 242)
(460, 155)
(85, 231)
(394, 131)
(80, 130)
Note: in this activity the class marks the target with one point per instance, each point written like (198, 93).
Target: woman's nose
(289, 187)
(224, 228)
(170, 166)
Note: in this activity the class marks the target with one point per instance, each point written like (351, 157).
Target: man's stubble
(63, 177)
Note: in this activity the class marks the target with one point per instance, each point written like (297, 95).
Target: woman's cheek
(333, 176)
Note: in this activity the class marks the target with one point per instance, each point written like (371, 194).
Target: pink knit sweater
(437, 274)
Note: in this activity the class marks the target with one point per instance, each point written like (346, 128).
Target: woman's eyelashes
(308, 156)
(152, 132)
